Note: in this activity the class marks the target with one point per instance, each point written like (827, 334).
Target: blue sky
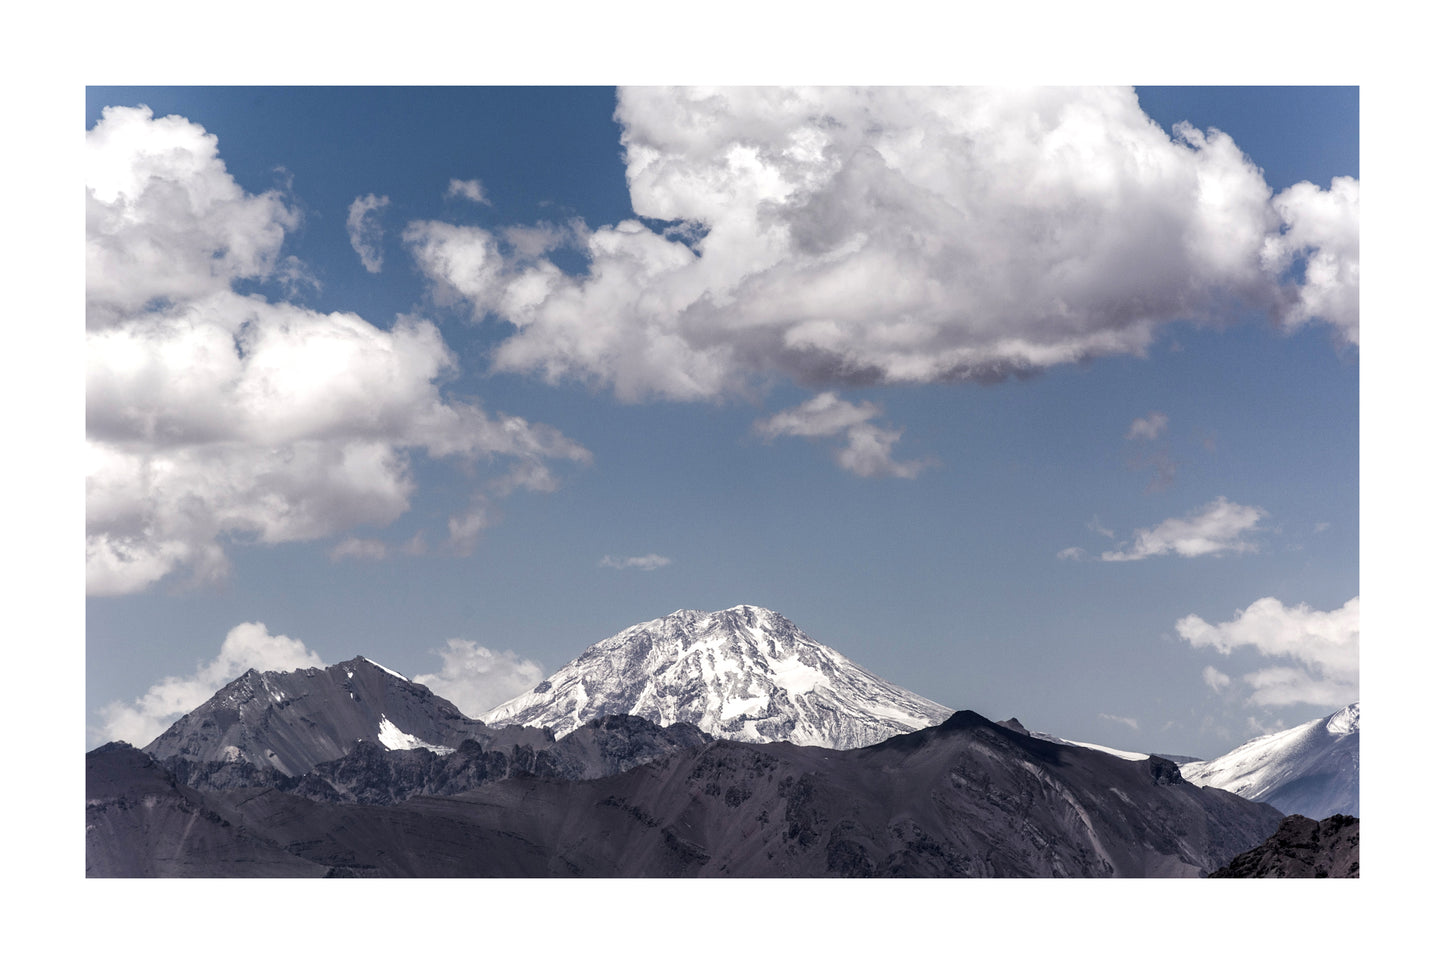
(991, 391)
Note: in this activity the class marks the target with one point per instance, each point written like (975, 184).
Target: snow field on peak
(385, 670)
(392, 737)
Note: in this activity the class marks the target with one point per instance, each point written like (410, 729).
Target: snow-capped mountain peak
(1311, 769)
(744, 673)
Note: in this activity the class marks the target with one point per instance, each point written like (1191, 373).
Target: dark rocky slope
(966, 798)
(140, 822)
(1302, 847)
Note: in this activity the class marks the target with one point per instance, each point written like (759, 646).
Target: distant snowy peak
(744, 673)
(1312, 769)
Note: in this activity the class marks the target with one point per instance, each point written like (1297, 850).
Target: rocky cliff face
(745, 674)
(1302, 847)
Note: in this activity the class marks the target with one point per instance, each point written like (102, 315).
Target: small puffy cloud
(1219, 527)
(869, 449)
(477, 679)
(470, 190)
(1316, 653)
(1215, 679)
(465, 528)
(851, 236)
(1148, 427)
(364, 230)
(248, 646)
(1128, 721)
(646, 563)
(213, 416)
(1072, 552)
(354, 548)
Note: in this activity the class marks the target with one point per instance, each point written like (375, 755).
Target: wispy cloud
(1128, 721)
(471, 190)
(869, 449)
(354, 548)
(364, 230)
(1148, 427)
(646, 563)
(1316, 653)
(1215, 679)
(1219, 527)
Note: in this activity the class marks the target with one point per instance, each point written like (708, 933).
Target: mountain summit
(1312, 769)
(745, 674)
(290, 722)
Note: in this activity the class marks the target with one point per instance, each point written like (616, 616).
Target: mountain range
(699, 744)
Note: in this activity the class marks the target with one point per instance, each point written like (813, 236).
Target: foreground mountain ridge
(1312, 769)
(745, 673)
(965, 798)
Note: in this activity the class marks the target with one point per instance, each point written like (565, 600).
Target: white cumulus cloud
(477, 679)
(899, 235)
(247, 646)
(213, 416)
(1316, 653)
(869, 448)
(1219, 527)
(1322, 227)
(363, 228)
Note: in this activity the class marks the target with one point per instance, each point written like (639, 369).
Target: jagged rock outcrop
(1302, 847)
(745, 674)
(374, 775)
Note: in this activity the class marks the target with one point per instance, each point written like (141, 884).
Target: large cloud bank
(845, 237)
(211, 415)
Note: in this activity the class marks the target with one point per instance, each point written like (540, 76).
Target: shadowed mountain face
(1312, 769)
(966, 798)
(745, 674)
(291, 722)
(139, 822)
(1303, 848)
